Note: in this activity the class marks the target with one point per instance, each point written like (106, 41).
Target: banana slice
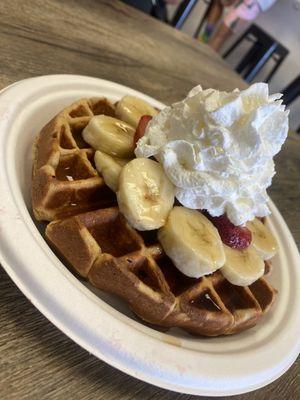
(192, 242)
(110, 168)
(145, 195)
(110, 135)
(242, 267)
(262, 239)
(130, 109)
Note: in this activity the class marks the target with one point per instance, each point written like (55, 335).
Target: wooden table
(108, 40)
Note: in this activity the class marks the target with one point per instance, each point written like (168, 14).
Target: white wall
(282, 21)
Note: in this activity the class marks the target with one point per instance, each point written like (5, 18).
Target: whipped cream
(217, 148)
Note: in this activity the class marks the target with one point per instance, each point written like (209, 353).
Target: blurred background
(260, 39)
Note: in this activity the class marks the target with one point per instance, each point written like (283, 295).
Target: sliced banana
(145, 195)
(192, 242)
(242, 267)
(130, 109)
(110, 168)
(262, 239)
(110, 135)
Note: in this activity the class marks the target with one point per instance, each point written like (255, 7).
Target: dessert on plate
(166, 209)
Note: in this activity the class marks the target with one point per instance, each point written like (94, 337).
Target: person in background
(237, 14)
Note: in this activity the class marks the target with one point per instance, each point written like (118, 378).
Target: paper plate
(102, 324)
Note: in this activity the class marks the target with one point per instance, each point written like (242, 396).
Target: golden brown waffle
(65, 181)
(102, 247)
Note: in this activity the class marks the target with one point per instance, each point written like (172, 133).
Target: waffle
(103, 248)
(65, 181)
(100, 246)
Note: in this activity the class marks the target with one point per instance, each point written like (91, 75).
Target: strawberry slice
(236, 237)
(141, 128)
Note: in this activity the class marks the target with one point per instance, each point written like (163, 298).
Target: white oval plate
(101, 323)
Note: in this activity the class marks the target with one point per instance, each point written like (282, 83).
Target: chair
(264, 48)
(292, 91)
(184, 10)
(156, 8)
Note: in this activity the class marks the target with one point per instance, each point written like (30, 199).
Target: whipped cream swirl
(217, 148)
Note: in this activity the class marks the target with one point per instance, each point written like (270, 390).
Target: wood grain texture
(109, 40)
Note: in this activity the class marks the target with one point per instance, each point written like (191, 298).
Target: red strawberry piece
(141, 128)
(236, 237)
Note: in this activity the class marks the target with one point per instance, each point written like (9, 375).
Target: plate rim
(43, 81)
